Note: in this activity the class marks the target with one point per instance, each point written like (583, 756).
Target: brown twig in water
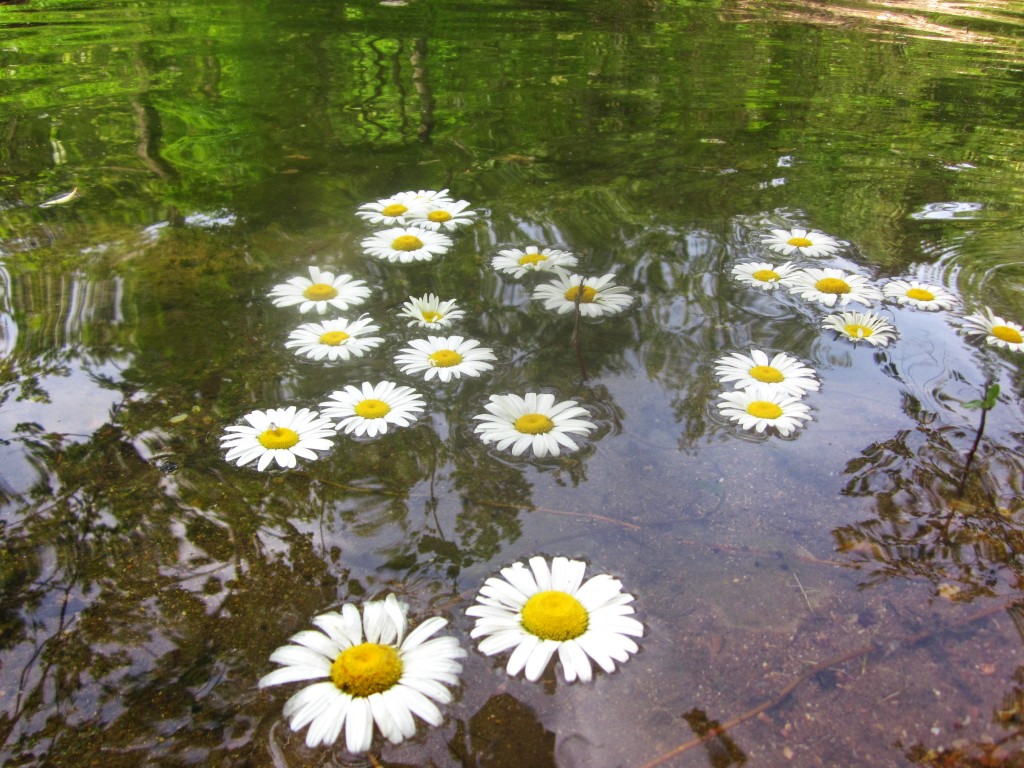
(864, 650)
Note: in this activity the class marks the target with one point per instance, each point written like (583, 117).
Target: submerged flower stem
(576, 340)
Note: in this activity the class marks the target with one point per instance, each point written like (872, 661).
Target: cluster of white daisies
(532, 421)
(768, 392)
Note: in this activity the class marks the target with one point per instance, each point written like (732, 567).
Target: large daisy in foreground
(369, 409)
(832, 287)
(407, 244)
(790, 241)
(535, 421)
(444, 357)
(761, 274)
(321, 291)
(547, 609)
(598, 296)
(332, 340)
(369, 672)
(517, 263)
(997, 331)
(278, 435)
(782, 373)
(861, 326)
(429, 311)
(446, 216)
(760, 407)
(919, 295)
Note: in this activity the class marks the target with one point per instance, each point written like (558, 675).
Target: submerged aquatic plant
(986, 404)
(371, 673)
(547, 609)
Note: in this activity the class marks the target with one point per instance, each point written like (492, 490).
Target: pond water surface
(845, 595)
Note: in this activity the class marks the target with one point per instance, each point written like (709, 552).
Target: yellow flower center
(333, 338)
(534, 424)
(767, 374)
(366, 669)
(372, 409)
(766, 275)
(555, 615)
(430, 316)
(920, 294)
(445, 358)
(1006, 333)
(763, 409)
(858, 331)
(320, 292)
(407, 243)
(278, 437)
(532, 258)
(799, 242)
(395, 209)
(588, 296)
(832, 285)
(439, 216)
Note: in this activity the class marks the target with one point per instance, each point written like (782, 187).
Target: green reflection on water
(220, 148)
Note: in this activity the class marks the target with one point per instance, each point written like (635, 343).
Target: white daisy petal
(781, 373)
(517, 263)
(384, 681)
(406, 245)
(535, 422)
(763, 275)
(428, 311)
(564, 615)
(788, 242)
(996, 331)
(599, 297)
(446, 215)
(372, 408)
(446, 358)
(321, 291)
(832, 287)
(861, 326)
(913, 293)
(759, 407)
(337, 339)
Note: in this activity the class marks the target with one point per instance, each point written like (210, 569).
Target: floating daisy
(279, 435)
(600, 296)
(445, 357)
(429, 197)
(759, 407)
(517, 263)
(429, 311)
(862, 326)
(543, 610)
(321, 291)
(832, 286)
(919, 295)
(407, 244)
(997, 331)
(781, 374)
(790, 241)
(446, 215)
(337, 339)
(534, 421)
(369, 672)
(368, 410)
(396, 209)
(761, 274)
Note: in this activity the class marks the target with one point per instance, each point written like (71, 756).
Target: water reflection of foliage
(967, 547)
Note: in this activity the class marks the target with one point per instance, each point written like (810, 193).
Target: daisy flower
(831, 286)
(368, 410)
(337, 339)
(390, 210)
(320, 291)
(997, 331)
(445, 358)
(759, 407)
(919, 295)
(446, 215)
(599, 295)
(544, 609)
(534, 421)
(862, 326)
(781, 374)
(761, 274)
(517, 263)
(407, 244)
(788, 242)
(429, 197)
(368, 672)
(279, 435)
(429, 311)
